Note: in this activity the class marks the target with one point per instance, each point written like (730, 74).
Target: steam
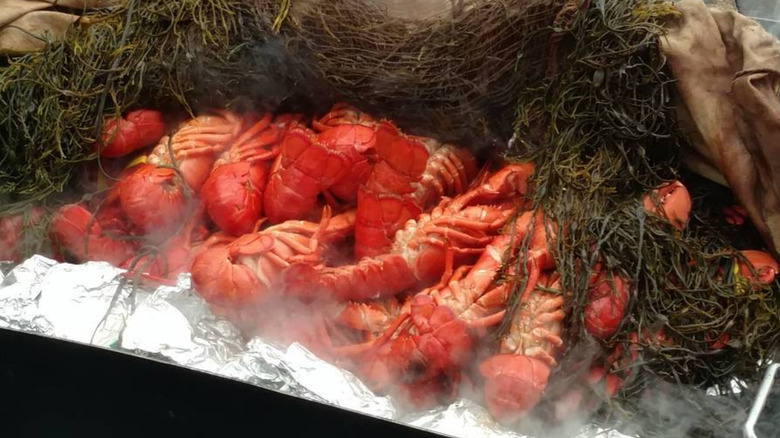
(670, 410)
(275, 80)
(770, 416)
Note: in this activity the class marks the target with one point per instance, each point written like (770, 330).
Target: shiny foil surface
(91, 303)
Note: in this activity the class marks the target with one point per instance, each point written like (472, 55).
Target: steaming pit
(435, 274)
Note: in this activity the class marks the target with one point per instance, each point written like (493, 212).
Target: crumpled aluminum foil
(83, 303)
(90, 303)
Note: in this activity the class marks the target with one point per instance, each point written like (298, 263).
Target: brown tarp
(727, 69)
(25, 25)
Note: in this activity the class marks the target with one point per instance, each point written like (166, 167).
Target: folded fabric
(26, 25)
(727, 71)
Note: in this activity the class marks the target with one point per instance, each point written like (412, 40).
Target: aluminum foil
(176, 324)
(84, 303)
(90, 303)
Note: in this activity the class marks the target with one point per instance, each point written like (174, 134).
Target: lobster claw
(606, 305)
(670, 201)
(764, 266)
(140, 128)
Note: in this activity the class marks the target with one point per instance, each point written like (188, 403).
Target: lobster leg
(199, 144)
(512, 179)
(454, 234)
(257, 128)
(489, 309)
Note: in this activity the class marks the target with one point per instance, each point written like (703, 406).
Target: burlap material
(727, 69)
(25, 25)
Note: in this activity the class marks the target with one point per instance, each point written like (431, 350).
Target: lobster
(346, 121)
(233, 193)
(758, 267)
(125, 135)
(334, 160)
(155, 194)
(411, 174)
(342, 114)
(153, 198)
(606, 305)
(232, 271)
(417, 256)
(607, 294)
(173, 257)
(13, 232)
(233, 196)
(671, 202)
(430, 340)
(259, 143)
(77, 233)
(195, 146)
(515, 377)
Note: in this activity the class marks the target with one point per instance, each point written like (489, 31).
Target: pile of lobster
(393, 255)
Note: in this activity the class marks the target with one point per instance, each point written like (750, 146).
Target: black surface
(53, 388)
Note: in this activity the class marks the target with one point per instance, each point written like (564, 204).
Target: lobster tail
(302, 170)
(514, 384)
(370, 278)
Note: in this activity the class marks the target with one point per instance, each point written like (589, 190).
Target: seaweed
(182, 57)
(601, 130)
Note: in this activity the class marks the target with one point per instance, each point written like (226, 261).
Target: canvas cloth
(26, 24)
(727, 71)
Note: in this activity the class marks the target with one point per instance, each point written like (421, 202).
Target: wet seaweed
(602, 133)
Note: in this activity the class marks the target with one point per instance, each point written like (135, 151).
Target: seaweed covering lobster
(394, 255)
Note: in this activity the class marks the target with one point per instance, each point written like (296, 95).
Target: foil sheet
(90, 303)
(85, 303)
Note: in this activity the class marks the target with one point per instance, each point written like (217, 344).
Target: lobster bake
(482, 218)
(422, 268)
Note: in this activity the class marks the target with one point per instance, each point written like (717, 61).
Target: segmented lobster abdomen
(370, 278)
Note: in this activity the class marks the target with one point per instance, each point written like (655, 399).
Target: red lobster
(125, 135)
(155, 194)
(335, 160)
(670, 201)
(759, 267)
(430, 340)
(417, 256)
(411, 175)
(75, 232)
(606, 306)
(233, 193)
(195, 146)
(515, 378)
(172, 257)
(13, 232)
(234, 272)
